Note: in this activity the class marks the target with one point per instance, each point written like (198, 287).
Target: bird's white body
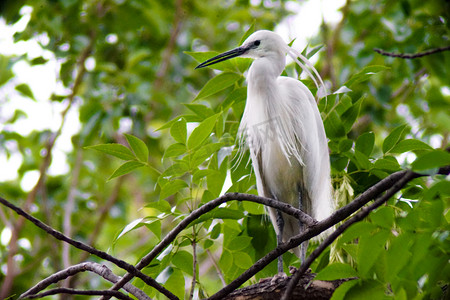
(282, 127)
(285, 134)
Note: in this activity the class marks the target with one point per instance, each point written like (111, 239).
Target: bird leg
(304, 245)
(280, 225)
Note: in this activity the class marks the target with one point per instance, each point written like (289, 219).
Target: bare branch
(57, 291)
(77, 244)
(412, 56)
(99, 269)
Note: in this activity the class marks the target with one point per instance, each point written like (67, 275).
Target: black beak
(224, 56)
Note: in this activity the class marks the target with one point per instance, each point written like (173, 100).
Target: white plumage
(282, 127)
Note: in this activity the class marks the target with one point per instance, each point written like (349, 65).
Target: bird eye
(257, 43)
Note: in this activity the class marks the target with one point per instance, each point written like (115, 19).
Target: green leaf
(126, 168)
(365, 74)
(370, 246)
(172, 187)
(130, 227)
(336, 271)
(365, 143)
(184, 261)
(155, 227)
(388, 163)
(178, 131)
(345, 145)
(226, 261)
(349, 116)
(367, 290)
(201, 110)
(431, 160)
(362, 161)
(116, 150)
(249, 31)
(215, 232)
(204, 152)
(138, 146)
(218, 83)
(161, 205)
(187, 118)
(239, 243)
(236, 96)
(383, 216)
(25, 90)
(242, 260)
(339, 293)
(356, 231)
(175, 283)
(410, 145)
(253, 208)
(175, 150)
(392, 139)
(333, 126)
(177, 169)
(313, 51)
(220, 213)
(201, 132)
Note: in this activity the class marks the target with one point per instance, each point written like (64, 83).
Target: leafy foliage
(157, 160)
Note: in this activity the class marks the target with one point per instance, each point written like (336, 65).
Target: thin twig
(77, 244)
(216, 266)
(99, 269)
(194, 265)
(68, 209)
(412, 56)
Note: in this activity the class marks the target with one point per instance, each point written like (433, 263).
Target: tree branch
(57, 291)
(99, 269)
(77, 244)
(412, 56)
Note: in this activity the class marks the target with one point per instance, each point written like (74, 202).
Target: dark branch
(57, 291)
(412, 56)
(120, 263)
(99, 269)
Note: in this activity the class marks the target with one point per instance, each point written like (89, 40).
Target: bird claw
(278, 277)
(292, 270)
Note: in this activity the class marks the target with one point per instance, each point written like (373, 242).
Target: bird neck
(265, 70)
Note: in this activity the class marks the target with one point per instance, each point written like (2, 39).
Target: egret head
(265, 43)
(261, 43)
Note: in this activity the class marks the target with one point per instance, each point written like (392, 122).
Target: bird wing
(312, 144)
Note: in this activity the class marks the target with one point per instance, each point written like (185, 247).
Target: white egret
(283, 129)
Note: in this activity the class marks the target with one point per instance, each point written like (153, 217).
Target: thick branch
(99, 269)
(412, 56)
